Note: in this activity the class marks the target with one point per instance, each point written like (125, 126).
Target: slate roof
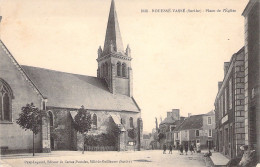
(168, 120)
(192, 122)
(210, 113)
(66, 90)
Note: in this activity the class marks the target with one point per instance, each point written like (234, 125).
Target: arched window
(122, 121)
(94, 121)
(51, 118)
(100, 70)
(103, 70)
(118, 65)
(131, 122)
(6, 96)
(124, 70)
(106, 69)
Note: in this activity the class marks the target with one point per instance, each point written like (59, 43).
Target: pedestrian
(195, 148)
(191, 149)
(186, 148)
(164, 149)
(181, 149)
(198, 148)
(170, 149)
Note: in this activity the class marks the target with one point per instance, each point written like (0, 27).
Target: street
(76, 158)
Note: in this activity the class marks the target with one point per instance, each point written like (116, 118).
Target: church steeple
(114, 62)
(113, 40)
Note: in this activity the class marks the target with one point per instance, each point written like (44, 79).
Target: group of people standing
(184, 147)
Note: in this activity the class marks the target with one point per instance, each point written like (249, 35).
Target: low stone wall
(100, 148)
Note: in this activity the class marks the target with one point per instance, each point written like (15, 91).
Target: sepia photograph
(129, 83)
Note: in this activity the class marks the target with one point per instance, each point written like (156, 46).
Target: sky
(178, 57)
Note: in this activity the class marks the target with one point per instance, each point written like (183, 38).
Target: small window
(124, 70)
(118, 65)
(210, 133)
(131, 122)
(197, 133)
(51, 118)
(226, 100)
(122, 121)
(94, 120)
(43, 105)
(209, 121)
(106, 69)
(103, 69)
(230, 94)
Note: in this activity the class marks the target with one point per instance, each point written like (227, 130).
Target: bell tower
(114, 63)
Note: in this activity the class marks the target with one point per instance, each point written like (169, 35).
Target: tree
(132, 133)
(82, 123)
(31, 119)
(161, 136)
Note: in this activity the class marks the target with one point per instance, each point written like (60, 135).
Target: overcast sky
(177, 61)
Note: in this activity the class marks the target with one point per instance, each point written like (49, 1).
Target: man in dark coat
(170, 149)
(164, 149)
(181, 149)
(191, 149)
(186, 147)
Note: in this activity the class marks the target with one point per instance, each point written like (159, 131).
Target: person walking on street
(186, 148)
(198, 148)
(164, 149)
(181, 149)
(195, 148)
(191, 149)
(170, 149)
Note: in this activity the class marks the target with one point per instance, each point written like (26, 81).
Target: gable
(13, 74)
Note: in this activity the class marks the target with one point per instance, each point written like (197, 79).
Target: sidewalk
(30, 155)
(218, 159)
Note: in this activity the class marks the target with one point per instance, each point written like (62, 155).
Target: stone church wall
(66, 138)
(12, 135)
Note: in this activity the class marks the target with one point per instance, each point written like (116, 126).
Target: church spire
(113, 36)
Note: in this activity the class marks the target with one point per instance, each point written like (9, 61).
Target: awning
(73, 114)
(117, 120)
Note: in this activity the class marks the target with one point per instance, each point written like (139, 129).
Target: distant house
(196, 129)
(146, 142)
(167, 126)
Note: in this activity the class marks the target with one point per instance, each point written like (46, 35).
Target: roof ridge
(60, 71)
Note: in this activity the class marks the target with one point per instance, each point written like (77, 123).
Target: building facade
(229, 107)
(196, 129)
(167, 126)
(252, 78)
(107, 97)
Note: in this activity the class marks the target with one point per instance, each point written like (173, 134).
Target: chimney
(169, 114)
(226, 65)
(176, 114)
(219, 85)
(189, 114)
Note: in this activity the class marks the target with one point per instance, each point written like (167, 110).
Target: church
(107, 97)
